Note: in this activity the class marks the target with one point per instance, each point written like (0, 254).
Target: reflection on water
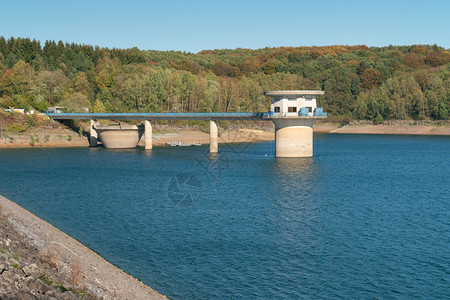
(302, 170)
(297, 182)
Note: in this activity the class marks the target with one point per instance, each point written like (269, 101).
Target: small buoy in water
(266, 154)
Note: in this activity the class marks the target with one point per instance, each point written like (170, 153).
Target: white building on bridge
(290, 103)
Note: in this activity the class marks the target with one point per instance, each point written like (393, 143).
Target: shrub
(345, 120)
(16, 127)
(31, 121)
(378, 119)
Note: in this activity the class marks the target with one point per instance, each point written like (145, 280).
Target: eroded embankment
(38, 261)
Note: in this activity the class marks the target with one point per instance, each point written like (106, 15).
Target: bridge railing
(168, 115)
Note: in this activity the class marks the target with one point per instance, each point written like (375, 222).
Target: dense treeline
(394, 82)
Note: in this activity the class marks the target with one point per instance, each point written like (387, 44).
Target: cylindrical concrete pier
(93, 134)
(148, 135)
(213, 137)
(294, 137)
(120, 136)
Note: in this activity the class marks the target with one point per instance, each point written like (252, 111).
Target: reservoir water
(366, 217)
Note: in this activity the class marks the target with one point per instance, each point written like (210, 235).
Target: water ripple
(367, 217)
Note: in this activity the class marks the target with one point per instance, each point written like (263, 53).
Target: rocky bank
(27, 274)
(38, 261)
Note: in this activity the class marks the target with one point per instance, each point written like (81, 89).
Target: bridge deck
(248, 116)
(157, 116)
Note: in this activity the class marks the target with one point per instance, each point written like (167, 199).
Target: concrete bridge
(293, 113)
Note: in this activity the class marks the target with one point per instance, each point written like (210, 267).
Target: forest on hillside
(360, 82)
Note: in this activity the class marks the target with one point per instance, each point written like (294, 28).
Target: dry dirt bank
(61, 137)
(193, 136)
(390, 127)
(68, 138)
(164, 134)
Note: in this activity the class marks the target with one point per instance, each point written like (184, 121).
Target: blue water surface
(366, 217)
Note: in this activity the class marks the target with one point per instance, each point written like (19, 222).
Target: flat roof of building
(293, 93)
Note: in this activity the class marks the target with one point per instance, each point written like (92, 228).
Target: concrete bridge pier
(93, 137)
(294, 137)
(148, 135)
(213, 137)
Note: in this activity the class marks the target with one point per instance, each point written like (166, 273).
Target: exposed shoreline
(68, 138)
(94, 274)
(393, 127)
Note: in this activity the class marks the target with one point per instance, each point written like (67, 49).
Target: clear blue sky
(197, 25)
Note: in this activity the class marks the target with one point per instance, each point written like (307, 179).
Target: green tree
(22, 77)
(10, 60)
(443, 111)
(4, 49)
(98, 107)
(52, 84)
(76, 103)
(133, 93)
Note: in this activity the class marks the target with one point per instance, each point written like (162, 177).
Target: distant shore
(390, 127)
(68, 138)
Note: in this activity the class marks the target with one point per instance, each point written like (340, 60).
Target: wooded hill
(360, 82)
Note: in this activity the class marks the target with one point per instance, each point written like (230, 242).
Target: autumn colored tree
(222, 69)
(435, 58)
(81, 84)
(413, 61)
(371, 78)
(6, 85)
(374, 83)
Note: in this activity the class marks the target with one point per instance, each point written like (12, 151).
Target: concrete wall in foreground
(98, 276)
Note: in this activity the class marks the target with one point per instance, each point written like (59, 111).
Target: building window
(277, 109)
(292, 109)
(308, 99)
(292, 99)
(309, 109)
